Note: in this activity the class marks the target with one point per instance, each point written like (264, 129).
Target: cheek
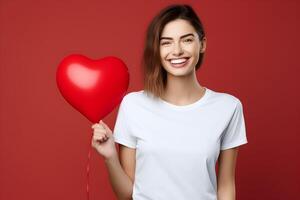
(163, 52)
(193, 49)
(197, 48)
(162, 56)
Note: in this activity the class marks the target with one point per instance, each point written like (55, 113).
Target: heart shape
(93, 87)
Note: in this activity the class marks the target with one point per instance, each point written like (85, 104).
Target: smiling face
(180, 47)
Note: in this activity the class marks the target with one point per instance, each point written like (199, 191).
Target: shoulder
(132, 98)
(226, 99)
(133, 95)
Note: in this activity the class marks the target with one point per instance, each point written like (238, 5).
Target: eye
(163, 43)
(189, 40)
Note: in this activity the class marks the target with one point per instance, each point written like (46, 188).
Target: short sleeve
(235, 133)
(122, 133)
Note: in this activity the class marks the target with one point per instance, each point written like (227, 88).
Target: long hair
(155, 76)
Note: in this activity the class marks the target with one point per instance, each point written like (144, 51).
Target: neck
(182, 90)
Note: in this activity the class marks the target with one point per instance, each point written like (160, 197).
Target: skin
(182, 88)
(120, 169)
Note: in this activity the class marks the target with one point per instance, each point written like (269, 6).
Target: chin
(181, 72)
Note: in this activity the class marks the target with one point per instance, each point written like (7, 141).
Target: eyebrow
(169, 38)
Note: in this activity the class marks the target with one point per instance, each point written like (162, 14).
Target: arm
(121, 172)
(226, 174)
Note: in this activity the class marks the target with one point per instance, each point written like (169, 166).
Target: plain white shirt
(177, 146)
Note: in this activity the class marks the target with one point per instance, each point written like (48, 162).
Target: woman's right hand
(103, 140)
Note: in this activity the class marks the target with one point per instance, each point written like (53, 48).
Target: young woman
(172, 133)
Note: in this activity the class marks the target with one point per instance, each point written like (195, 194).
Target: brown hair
(155, 76)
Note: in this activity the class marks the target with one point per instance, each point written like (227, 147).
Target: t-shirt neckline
(188, 106)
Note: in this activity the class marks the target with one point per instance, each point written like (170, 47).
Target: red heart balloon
(93, 87)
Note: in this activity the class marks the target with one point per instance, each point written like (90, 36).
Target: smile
(180, 62)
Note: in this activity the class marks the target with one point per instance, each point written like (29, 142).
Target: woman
(172, 133)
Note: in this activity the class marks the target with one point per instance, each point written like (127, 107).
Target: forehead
(177, 28)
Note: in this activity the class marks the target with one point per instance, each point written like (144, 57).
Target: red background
(252, 53)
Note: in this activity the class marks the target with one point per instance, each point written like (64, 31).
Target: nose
(177, 51)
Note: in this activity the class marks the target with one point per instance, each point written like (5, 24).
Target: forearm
(120, 181)
(226, 191)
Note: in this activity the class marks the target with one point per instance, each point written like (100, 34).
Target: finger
(96, 125)
(101, 123)
(99, 131)
(100, 128)
(102, 140)
(105, 126)
(98, 137)
(105, 137)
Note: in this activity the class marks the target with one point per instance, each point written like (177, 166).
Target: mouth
(179, 62)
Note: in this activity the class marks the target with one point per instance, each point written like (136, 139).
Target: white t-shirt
(177, 146)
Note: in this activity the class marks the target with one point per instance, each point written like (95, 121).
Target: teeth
(177, 61)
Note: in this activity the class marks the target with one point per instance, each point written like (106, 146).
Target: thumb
(105, 126)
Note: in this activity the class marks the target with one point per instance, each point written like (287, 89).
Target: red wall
(252, 52)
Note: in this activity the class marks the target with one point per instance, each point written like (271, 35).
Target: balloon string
(88, 173)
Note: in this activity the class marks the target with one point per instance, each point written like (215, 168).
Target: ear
(203, 44)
